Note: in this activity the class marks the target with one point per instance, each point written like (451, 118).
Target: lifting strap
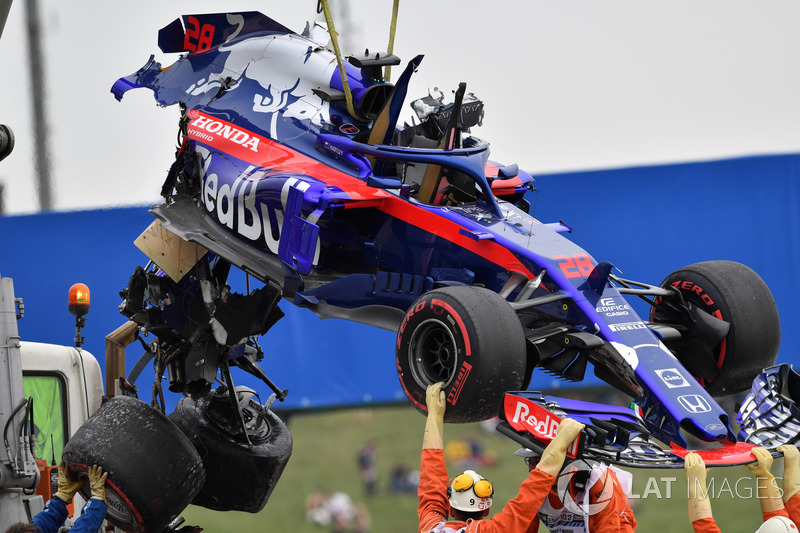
(339, 61)
(390, 48)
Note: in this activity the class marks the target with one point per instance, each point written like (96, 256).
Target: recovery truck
(47, 392)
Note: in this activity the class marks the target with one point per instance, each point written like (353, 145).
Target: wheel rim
(433, 353)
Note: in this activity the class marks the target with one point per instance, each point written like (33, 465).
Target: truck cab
(67, 387)
(47, 392)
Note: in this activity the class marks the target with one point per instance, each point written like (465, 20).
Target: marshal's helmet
(778, 524)
(470, 492)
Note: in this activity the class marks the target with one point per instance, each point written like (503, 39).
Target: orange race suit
(614, 517)
(434, 507)
(792, 512)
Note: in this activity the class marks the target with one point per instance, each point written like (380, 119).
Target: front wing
(769, 417)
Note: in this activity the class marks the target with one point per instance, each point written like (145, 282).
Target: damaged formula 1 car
(293, 167)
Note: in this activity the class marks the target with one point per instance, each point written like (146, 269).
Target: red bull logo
(525, 415)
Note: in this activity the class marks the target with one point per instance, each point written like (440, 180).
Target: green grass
(326, 447)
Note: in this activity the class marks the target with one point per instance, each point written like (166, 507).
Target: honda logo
(694, 403)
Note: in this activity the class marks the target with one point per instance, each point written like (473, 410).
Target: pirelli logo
(627, 326)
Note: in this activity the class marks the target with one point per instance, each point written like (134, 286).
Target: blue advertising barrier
(647, 221)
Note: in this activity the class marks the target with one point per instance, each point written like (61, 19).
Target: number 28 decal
(576, 266)
(197, 38)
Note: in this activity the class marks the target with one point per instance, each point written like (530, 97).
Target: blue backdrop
(647, 221)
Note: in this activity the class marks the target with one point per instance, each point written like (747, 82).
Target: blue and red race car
(294, 167)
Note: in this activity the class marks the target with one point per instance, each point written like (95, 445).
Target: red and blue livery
(302, 175)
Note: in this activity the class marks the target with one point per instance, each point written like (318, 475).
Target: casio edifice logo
(609, 307)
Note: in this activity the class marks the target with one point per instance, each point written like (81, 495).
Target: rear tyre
(153, 469)
(734, 293)
(238, 477)
(471, 339)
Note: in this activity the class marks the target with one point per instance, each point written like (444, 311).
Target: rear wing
(198, 33)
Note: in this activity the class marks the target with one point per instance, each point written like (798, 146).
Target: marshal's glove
(761, 469)
(697, 491)
(67, 487)
(97, 482)
(791, 471)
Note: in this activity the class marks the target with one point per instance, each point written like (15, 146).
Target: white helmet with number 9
(470, 492)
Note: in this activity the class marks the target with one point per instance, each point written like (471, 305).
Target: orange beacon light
(79, 300)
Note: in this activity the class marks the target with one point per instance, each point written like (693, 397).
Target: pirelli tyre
(239, 477)
(724, 362)
(471, 339)
(153, 469)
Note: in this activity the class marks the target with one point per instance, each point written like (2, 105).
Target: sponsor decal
(694, 403)
(525, 415)
(349, 129)
(697, 289)
(222, 134)
(609, 307)
(461, 379)
(627, 326)
(333, 148)
(715, 427)
(456, 322)
(236, 206)
(116, 509)
(672, 378)
(411, 312)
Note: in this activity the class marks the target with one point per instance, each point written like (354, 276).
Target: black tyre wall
(732, 292)
(153, 469)
(480, 346)
(238, 478)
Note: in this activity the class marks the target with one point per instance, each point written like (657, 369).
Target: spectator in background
(402, 480)
(317, 511)
(338, 512)
(368, 465)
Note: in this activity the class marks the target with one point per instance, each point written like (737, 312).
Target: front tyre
(732, 292)
(471, 339)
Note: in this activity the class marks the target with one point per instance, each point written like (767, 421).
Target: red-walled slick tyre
(471, 339)
(153, 469)
(733, 292)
